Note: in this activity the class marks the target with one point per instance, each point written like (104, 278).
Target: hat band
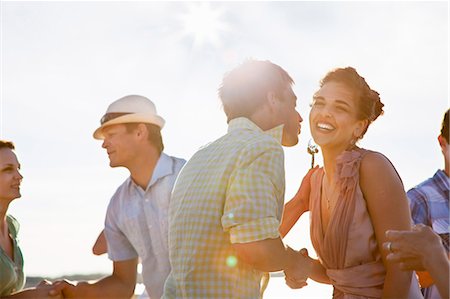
(110, 116)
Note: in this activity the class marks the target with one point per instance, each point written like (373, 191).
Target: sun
(203, 23)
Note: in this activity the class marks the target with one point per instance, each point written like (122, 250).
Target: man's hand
(297, 274)
(40, 291)
(43, 283)
(64, 287)
(412, 249)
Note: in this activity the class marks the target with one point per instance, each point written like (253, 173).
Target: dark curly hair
(6, 144)
(367, 100)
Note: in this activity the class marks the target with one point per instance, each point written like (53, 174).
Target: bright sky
(63, 63)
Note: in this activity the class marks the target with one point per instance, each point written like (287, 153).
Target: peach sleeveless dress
(348, 249)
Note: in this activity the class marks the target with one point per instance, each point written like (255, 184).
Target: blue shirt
(429, 202)
(429, 205)
(136, 223)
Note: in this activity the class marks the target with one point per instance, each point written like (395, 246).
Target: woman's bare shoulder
(374, 162)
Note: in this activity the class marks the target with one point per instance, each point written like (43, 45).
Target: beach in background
(277, 288)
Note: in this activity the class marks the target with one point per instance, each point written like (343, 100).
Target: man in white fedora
(136, 220)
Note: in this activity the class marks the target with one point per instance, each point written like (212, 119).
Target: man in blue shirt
(136, 221)
(429, 200)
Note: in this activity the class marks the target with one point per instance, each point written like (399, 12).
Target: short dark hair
(369, 105)
(445, 125)
(154, 134)
(6, 144)
(244, 88)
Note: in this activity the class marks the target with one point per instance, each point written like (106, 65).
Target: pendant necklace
(326, 194)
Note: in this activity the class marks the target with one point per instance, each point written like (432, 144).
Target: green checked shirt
(231, 191)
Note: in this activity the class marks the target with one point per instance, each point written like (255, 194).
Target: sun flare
(203, 23)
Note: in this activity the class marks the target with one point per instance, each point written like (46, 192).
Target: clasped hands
(297, 274)
(57, 289)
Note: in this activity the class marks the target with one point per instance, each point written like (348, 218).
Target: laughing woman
(355, 198)
(12, 278)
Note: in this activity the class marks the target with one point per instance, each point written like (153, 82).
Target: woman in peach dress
(355, 198)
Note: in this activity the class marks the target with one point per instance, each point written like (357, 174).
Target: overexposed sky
(63, 63)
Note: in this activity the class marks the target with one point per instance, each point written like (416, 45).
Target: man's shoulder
(421, 190)
(423, 185)
(246, 139)
(240, 143)
(243, 145)
(177, 161)
(118, 198)
(121, 190)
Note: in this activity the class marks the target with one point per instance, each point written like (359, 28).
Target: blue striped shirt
(429, 203)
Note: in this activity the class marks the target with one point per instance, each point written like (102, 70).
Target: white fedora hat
(129, 109)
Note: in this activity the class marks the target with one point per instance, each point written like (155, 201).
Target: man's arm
(438, 265)
(100, 247)
(252, 210)
(271, 255)
(420, 249)
(118, 285)
(268, 255)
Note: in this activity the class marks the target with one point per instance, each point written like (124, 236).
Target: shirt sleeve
(418, 206)
(255, 194)
(119, 247)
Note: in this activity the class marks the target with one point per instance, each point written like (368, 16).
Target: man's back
(231, 191)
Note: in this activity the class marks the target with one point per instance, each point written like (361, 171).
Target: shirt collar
(440, 175)
(245, 123)
(162, 168)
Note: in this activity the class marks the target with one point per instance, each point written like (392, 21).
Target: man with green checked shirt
(227, 202)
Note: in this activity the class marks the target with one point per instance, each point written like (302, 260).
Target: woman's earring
(352, 143)
(312, 150)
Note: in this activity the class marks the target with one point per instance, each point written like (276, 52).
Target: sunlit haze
(203, 24)
(63, 63)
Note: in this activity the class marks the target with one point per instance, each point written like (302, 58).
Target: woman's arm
(298, 205)
(317, 273)
(388, 208)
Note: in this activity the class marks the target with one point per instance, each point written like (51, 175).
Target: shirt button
(146, 200)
